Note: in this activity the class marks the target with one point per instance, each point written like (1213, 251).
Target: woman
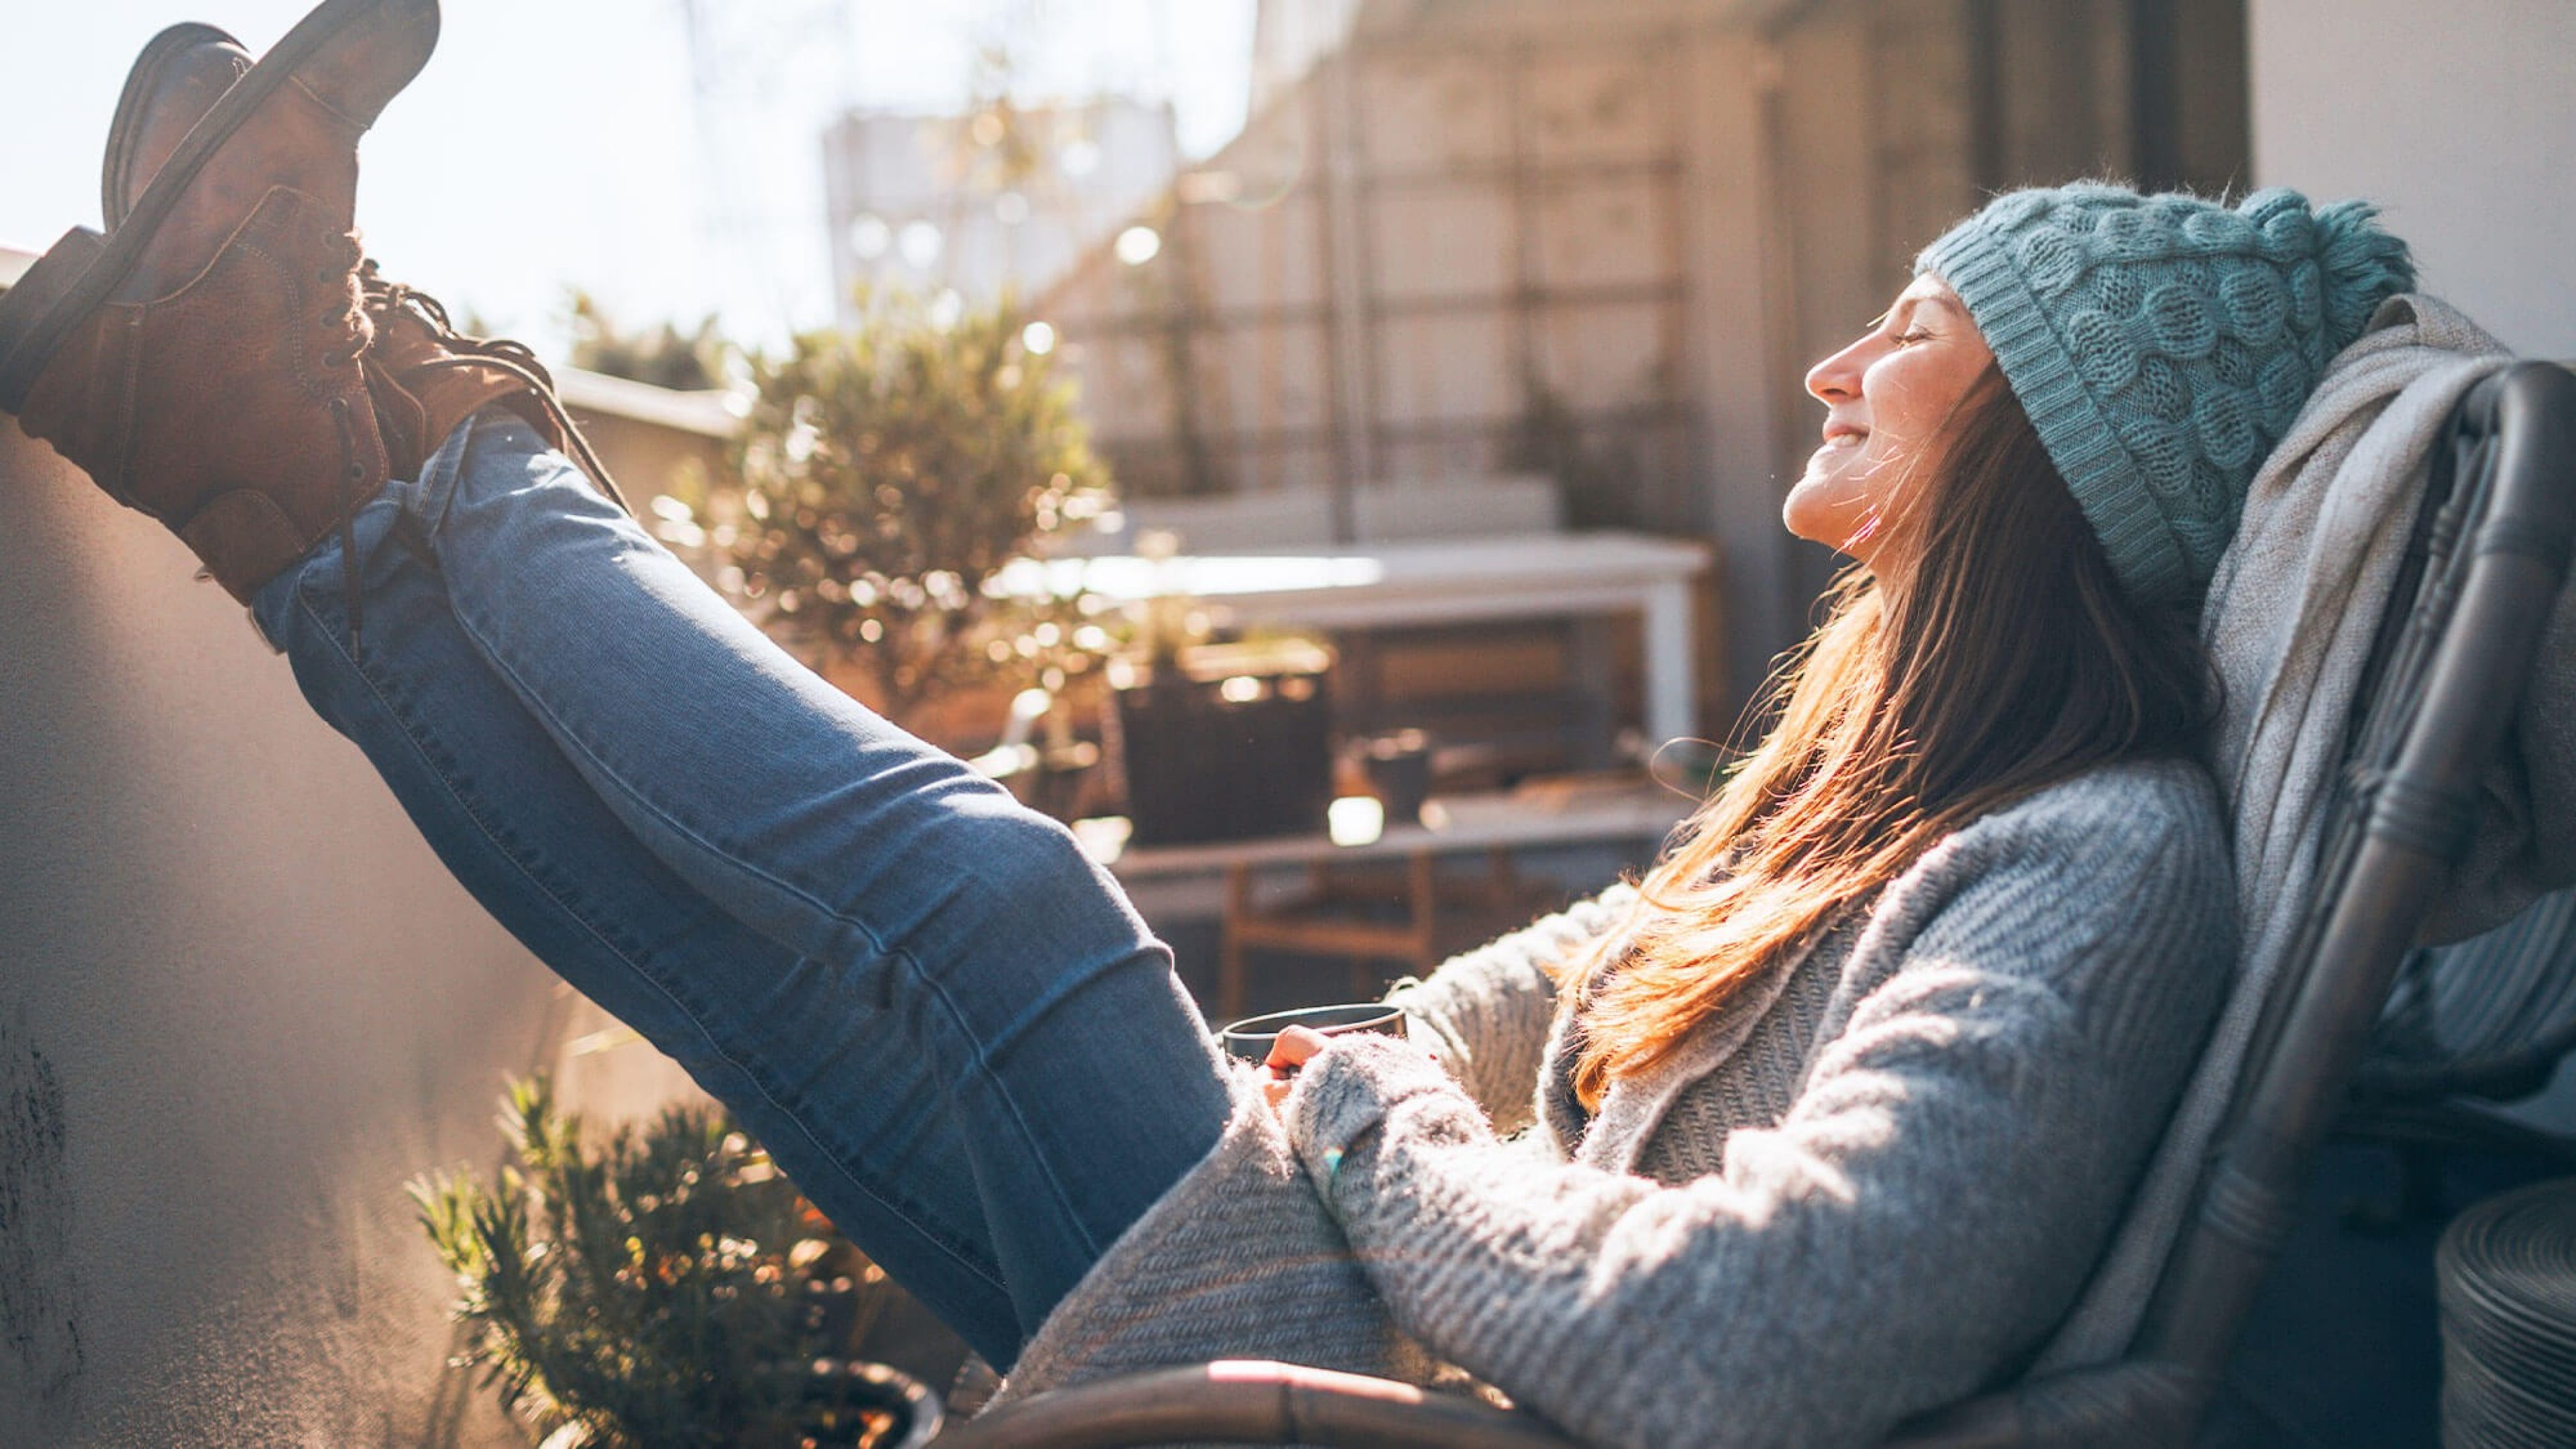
(1823, 1123)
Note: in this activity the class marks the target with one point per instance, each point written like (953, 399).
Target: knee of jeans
(1030, 870)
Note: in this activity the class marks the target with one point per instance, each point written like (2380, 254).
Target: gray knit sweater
(1868, 1188)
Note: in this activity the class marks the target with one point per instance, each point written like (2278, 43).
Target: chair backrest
(2444, 684)
(2446, 673)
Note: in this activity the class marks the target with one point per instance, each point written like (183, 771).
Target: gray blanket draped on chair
(2290, 620)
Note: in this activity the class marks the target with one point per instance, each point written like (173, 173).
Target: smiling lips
(1844, 435)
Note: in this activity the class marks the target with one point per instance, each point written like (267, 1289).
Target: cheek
(1912, 392)
(1901, 402)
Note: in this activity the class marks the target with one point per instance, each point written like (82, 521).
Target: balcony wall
(240, 1005)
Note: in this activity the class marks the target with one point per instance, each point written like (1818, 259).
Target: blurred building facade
(1287, 38)
(1480, 239)
(242, 1002)
(1003, 197)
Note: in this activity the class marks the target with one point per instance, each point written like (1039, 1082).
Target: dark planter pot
(1229, 743)
(845, 1401)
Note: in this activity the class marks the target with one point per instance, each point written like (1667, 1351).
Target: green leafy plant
(666, 1286)
(887, 477)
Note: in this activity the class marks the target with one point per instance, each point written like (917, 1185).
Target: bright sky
(553, 143)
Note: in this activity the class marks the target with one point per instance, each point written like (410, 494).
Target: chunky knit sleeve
(1487, 1012)
(1929, 1206)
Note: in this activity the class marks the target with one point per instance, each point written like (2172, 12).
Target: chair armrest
(2138, 1404)
(1245, 1401)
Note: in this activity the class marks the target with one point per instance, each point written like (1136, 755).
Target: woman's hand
(1295, 1047)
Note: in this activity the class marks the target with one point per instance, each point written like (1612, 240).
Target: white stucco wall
(2459, 118)
(240, 1005)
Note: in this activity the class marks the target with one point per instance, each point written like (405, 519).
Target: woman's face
(1885, 398)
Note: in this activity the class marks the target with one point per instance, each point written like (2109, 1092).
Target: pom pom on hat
(2363, 267)
(2161, 346)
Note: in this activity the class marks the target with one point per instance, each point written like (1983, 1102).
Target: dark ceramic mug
(1252, 1037)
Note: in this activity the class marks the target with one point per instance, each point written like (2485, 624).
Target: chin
(1812, 512)
(1838, 526)
(1832, 503)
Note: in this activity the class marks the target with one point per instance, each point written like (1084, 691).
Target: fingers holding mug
(1295, 1047)
(1284, 1041)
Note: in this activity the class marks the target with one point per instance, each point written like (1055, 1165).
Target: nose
(1837, 378)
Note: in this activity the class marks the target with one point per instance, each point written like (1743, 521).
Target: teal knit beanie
(2162, 344)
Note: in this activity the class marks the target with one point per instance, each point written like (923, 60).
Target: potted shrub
(664, 1286)
(884, 479)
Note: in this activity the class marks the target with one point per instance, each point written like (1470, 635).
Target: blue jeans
(946, 1024)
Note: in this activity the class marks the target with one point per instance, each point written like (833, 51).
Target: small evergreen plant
(662, 1287)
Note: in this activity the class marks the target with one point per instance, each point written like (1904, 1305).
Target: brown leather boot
(179, 76)
(202, 365)
(423, 375)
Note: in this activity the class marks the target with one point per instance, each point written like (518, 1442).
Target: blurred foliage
(666, 357)
(1597, 478)
(999, 145)
(662, 1287)
(887, 475)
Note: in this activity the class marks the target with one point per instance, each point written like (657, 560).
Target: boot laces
(345, 319)
(385, 297)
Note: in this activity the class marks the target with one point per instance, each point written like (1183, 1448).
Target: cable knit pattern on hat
(2162, 344)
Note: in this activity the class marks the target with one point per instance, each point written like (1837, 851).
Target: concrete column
(1734, 348)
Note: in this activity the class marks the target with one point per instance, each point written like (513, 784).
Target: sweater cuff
(1347, 1090)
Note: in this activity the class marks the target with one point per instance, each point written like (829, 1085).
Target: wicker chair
(2490, 553)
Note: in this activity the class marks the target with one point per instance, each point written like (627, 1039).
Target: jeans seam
(564, 735)
(411, 737)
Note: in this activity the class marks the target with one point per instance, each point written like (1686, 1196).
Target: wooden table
(1497, 825)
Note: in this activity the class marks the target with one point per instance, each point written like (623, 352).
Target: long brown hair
(1990, 653)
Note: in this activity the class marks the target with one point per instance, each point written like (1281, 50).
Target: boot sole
(140, 84)
(24, 355)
